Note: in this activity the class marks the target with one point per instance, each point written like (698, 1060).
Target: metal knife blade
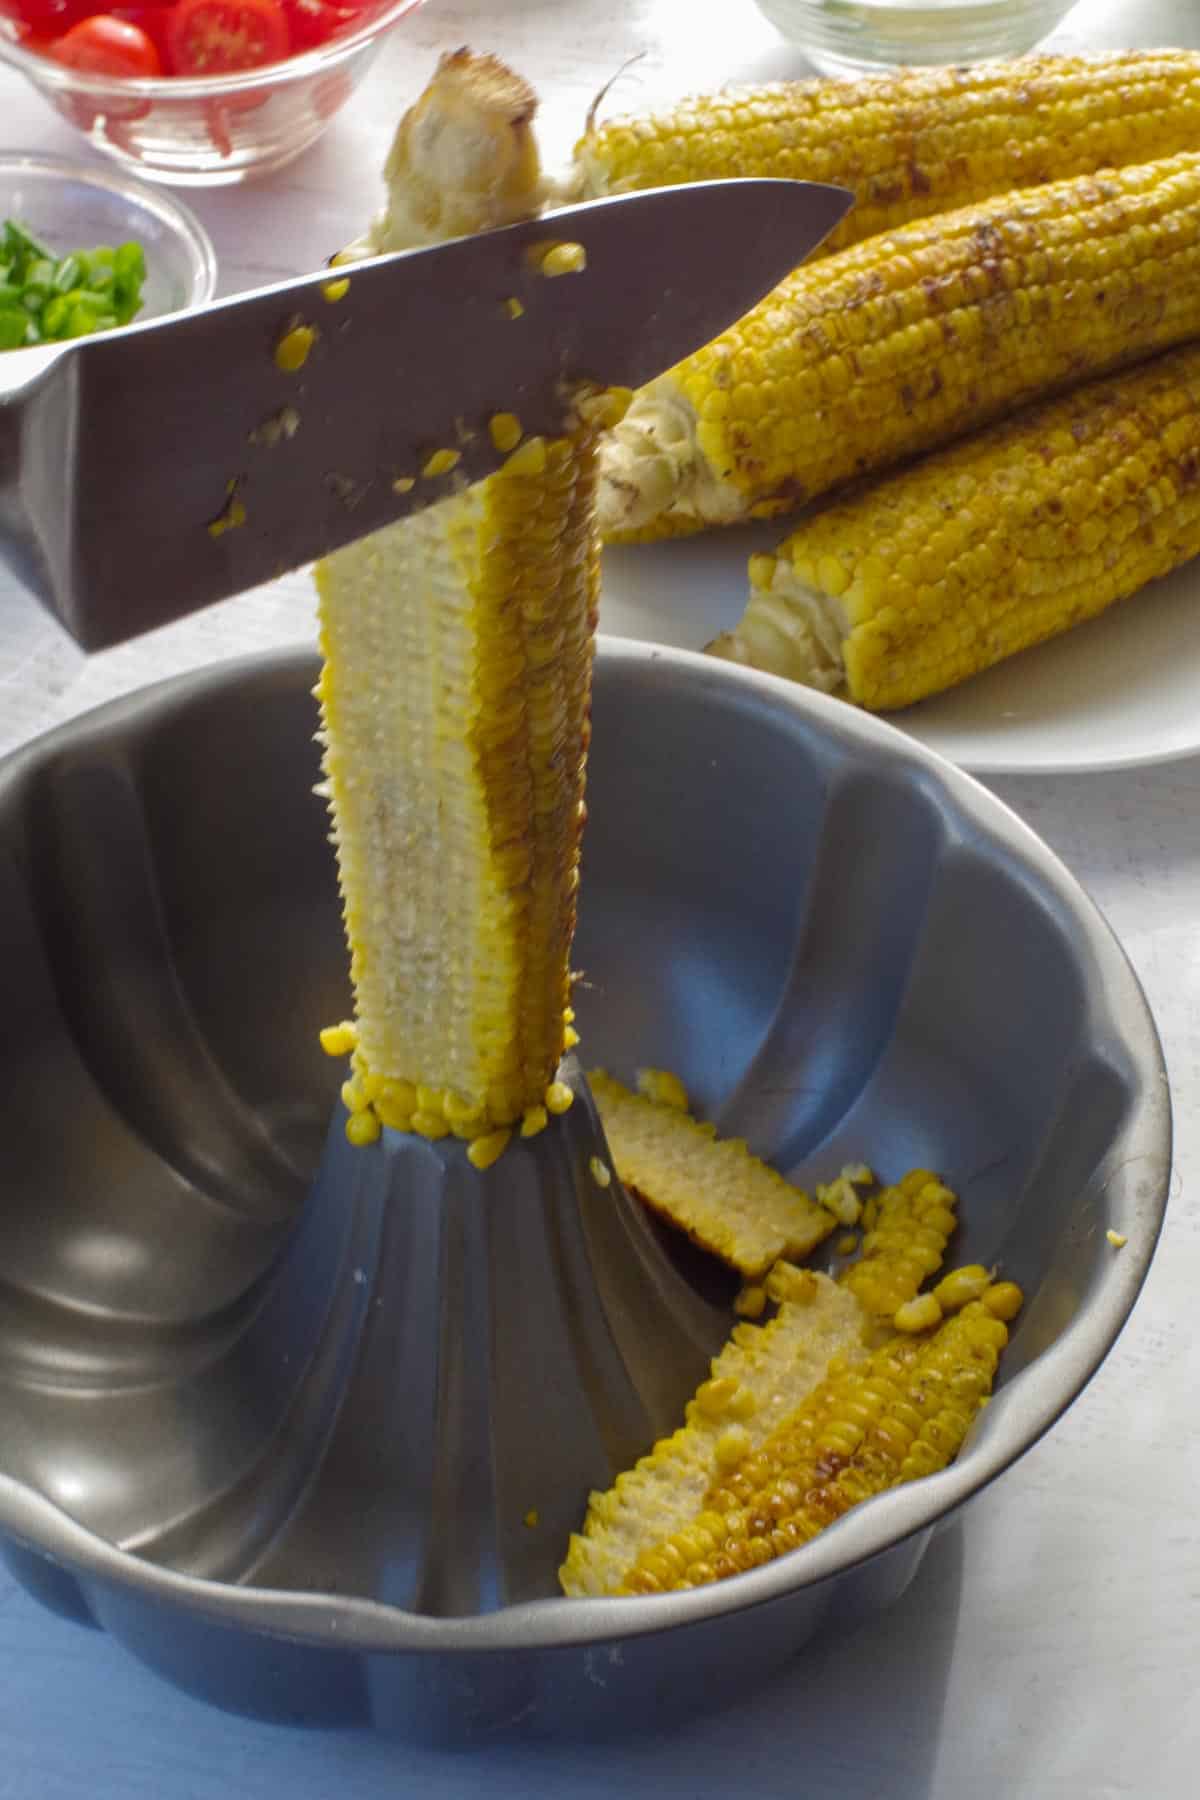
(118, 453)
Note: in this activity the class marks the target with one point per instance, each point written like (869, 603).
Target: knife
(147, 472)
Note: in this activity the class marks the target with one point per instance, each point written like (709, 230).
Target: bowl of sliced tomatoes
(197, 92)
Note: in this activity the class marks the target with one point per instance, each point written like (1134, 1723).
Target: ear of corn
(753, 1383)
(987, 547)
(907, 340)
(454, 704)
(913, 143)
(901, 1414)
(713, 1188)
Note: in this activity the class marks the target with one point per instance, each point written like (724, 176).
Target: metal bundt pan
(280, 1434)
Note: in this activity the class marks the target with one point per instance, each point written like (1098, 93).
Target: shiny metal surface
(283, 1446)
(138, 437)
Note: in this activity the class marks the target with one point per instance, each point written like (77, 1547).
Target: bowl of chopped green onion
(85, 250)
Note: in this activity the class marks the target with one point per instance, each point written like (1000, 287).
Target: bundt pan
(306, 1427)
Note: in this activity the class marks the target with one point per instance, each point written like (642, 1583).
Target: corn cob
(914, 143)
(714, 1189)
(987, 547)
(903, 342)
(870, 1423)
(752, 1384)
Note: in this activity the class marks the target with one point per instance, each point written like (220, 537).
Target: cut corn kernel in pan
(747, 1392)
(713, 1188)
(917, 142)
(866, 1424)
(985, 548)
(907, 340)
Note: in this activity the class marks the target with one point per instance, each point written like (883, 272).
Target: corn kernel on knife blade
(118, 453)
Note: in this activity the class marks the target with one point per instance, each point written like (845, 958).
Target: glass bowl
(214, 129)
(74, 206)
(846, 37)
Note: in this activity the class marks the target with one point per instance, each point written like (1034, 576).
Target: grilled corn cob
(987, 547)
(915, 143)
(905, 341)
(714, 1189)
(865, 1428)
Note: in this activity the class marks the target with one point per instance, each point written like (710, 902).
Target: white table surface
(1049, 1646)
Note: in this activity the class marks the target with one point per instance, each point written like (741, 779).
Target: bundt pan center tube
(306, 1425)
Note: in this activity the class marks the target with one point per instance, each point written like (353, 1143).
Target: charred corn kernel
(333, 291)
(846, 1246)
(750, 1301)
(293, 349)
(362, 1128)
(714, 1189)
(1003, 1300)
(905, 341)
(528, 458)
(960, 1285)
(570, 1037)
(1059, 513)
(455, 724)
(663, 1087)
(563, 259)
(733, 1444)
(513, 308)
(504, 429)
(915, 142)
(600, 1172)
(911, 1226)
(535, 1119)
(921, 1314)
(1117, 1239)
(354, 1099)
(559, 1098)
(482, 1152)
(440, 463)
(404, 484)
(768, 1366)
(890, 1418)
(339, 1040)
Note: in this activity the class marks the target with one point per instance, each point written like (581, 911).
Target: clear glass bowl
(74, 206)
(844, 37)
(215, 129)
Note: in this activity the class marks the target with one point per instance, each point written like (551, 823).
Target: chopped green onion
(12, 330)
(44, 296)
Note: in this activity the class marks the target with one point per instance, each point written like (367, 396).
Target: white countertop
(1049, 1644)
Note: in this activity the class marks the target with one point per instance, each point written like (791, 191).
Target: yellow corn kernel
(292, 350)
(535, 1119)
(482, 1152)
(430, 1125)
(661, 1086)
(528, 458)
(514, 309)
(839, 1198)
(339, 1040)
(354, 1097)
(559, 1098)
(750, 1301)
(563, 259)
(960, 1285)
(440, 463)
(1003, 1300)
(504, 429)
(362, 1128)
(846, 1246)
(1117, 1239)
(921, 1314)
(333, 291)
(732, 1446)
(404, 484)
(232, 514)
(600, 1172)
(532, 1519)
(570, 1037)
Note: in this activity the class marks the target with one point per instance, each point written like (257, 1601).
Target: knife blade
(126, 459)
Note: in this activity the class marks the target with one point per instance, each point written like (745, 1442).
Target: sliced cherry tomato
(46, 18)
(152, 19)
(103, 45)
(217, 37)
(314, 22)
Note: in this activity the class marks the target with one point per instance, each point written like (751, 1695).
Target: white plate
(1120, 691)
